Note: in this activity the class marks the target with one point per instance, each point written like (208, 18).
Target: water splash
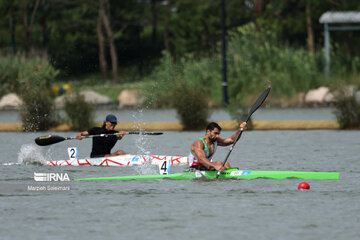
(146, 169)
(32, 154)
(142, 144)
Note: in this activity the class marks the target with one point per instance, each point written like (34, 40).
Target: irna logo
(51, 177)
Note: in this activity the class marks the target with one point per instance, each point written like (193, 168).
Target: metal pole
(223, 51)
(327, 49)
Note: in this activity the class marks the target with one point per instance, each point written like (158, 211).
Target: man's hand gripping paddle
(255, 106)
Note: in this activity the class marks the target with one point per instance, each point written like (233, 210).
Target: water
(159, 209)
(216, 115)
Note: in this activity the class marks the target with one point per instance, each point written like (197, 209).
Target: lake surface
(170, 209)
(216, 115)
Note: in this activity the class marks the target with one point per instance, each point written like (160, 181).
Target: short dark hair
(211, 126)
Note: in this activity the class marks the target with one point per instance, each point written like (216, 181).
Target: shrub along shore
(191, 83)
(177, 126)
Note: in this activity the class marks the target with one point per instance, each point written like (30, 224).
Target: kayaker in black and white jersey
(101, 146)
(203, 149)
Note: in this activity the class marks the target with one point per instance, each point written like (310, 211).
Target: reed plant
(258, 58)
(33, 79)
(191, 105)
(9, 69)
(37, 112)
(80, 112)
(160, 83)
(347, 108)
(198, 73)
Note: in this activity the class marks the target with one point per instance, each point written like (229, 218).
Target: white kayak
(122, 160)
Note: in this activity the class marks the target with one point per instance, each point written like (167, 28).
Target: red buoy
(303, 185)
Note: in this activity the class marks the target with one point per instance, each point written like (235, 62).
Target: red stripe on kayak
(84, 164)
(107, 162)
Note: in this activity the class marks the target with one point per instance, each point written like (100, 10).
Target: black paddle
(255, 106)
(51, 139)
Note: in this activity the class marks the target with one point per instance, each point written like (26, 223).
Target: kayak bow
(233, 173)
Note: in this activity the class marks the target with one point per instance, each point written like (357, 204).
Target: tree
(19, 10)
(258, 8)
(105, 22)
(310, 32)
(154, 21)
(101, 42)
(29, 22)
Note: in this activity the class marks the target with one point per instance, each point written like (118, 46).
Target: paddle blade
(48, 140)
(258, 102)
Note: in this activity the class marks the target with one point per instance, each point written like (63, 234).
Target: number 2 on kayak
(73, 153)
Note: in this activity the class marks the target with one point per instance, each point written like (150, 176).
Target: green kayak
(232, 173)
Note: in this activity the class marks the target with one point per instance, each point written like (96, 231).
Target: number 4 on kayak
(164, 167)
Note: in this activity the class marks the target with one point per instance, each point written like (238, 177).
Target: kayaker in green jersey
(102, 146)
(203, 149)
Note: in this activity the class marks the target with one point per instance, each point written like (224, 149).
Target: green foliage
(190, 31)
(37, 113)
(347, 109)
(204, 73)
(67, 29)
(30, 78)
(20, 74)
(9, 69)
(201, 74)
(80, 112)
(162, 80)
(73, 44)
(191, 105)
(35, 74)
(254, 59)
(257, 58)
(190, 24)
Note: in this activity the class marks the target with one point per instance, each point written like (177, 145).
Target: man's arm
(197, 148)
(81, 134)
(121, 135)
(231, 140)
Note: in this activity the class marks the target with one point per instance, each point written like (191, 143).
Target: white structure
(337, 18)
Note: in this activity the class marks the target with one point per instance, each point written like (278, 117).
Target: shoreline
(177, 126)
